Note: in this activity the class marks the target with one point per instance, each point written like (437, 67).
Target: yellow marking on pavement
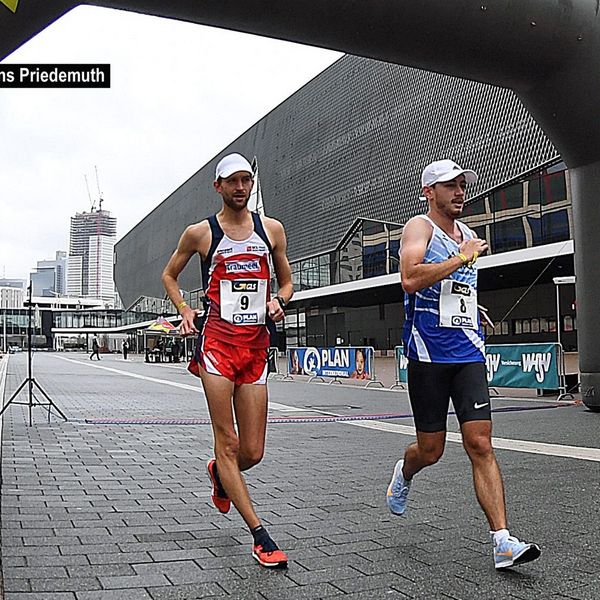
(11, 4)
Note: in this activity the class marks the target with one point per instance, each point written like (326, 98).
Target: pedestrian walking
(125, 349)
(444, 344)
(236, 247)
(95, 348)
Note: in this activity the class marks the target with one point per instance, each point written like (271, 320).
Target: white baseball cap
(230, 164)
(445, 170)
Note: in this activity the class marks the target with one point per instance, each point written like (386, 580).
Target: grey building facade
(339, 165)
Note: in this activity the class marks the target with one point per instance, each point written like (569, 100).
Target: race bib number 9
(458, 305)
(244, 301)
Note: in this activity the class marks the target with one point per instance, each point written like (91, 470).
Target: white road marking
(3, 373)
(183, 386)
(577, 452)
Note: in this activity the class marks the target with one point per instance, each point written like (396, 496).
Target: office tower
(49, 277)
(90, 261)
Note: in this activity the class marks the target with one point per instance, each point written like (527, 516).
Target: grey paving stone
(134, 581)
(305, 592)
(37, 571)
(189, 592)
(40, 596)
(118, 558)
(129, 594)
(100, 570)
(111, 504)
(64, 584)
(11, 584)
(199, 554)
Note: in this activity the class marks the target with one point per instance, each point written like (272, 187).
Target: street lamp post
(558, 281)
(4, 338)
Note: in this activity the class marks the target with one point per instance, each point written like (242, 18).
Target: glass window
(508, 235)
(548, 188)
(394, 256)
(374, 260)
(477, 207)
(555, 226)
(509, 197)
(481, 232)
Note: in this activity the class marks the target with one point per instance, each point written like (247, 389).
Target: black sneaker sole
(530, 554)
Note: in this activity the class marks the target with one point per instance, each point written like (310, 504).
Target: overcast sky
(179, 94)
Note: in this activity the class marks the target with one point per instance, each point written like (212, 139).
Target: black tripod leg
(50, 402)
(15, 394)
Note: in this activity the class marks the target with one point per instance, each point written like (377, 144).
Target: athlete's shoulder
(271, 224)
(275, 232)
(196, 237)
(419, 221)
(198, 229)
(417, 226)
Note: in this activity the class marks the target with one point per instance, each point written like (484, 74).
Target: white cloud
(179, 94)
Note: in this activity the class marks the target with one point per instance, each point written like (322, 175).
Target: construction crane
(100, 198)
(87, 187)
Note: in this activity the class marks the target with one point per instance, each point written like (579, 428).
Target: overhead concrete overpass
(547, 51)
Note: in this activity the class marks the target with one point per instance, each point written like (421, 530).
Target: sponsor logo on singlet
(240, 266)
(245, 318)
(244, 286)
(462, 321)
(254, 248)
(461, 288)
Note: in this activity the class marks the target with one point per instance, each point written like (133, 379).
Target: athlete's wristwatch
(281, 301)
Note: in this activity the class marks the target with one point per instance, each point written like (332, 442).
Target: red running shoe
(219, 495)
(272, 558)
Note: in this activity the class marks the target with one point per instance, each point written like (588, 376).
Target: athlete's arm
(283, 271)
(193, 240)
(415, 275)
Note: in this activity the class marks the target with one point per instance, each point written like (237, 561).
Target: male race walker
(236, 248)
(443, 341)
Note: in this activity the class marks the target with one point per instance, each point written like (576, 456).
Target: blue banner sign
(532, 366)
(346, 362)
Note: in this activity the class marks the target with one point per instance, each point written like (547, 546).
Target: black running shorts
(431, 385)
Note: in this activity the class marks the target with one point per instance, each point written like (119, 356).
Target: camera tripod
(30, 381)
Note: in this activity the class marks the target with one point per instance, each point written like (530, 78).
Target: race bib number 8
(244, 301)
(458, 305)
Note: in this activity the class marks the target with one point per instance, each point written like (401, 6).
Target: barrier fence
(530, 366)
(334, 363)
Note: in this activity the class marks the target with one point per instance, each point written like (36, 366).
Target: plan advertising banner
(532, 366)
(346, 362)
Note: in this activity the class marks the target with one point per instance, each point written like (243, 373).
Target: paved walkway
(114, 503)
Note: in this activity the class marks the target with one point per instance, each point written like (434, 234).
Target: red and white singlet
(236, 278)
